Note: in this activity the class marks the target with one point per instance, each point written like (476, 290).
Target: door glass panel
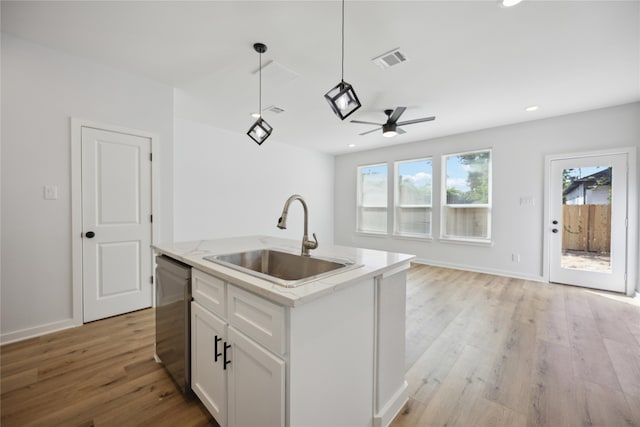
(586, 218)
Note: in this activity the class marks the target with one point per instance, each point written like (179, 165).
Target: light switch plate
(526, 201)
(51, 192)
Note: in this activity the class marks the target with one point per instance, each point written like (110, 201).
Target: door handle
(89, 234)
(555, 230)
(215, 349)
(226, 362)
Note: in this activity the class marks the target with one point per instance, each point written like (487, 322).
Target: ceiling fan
(390, 128)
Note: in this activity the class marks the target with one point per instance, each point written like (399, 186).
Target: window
(466, 204)
(372, 199)
(413, 197)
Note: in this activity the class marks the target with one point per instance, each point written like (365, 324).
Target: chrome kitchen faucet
(282, 224)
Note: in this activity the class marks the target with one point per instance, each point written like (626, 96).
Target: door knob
(89, 234)
(555, 230)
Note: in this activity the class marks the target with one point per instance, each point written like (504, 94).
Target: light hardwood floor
(100, 374)
(482, 350)
(485, 350)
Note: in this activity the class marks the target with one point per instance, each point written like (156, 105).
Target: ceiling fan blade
(396, 114)
(370, 131)
(400, 131)
(410, 122)
(366, 123)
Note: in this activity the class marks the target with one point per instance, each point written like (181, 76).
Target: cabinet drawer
(258, 318)
(209, 292)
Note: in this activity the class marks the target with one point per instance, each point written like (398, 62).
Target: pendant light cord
(260, 85)
(342, 76)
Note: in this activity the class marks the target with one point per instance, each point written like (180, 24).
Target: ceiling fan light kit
(389, 130)
(260, 130)
(342, 98)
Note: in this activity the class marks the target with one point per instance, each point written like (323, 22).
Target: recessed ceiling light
(255, 115)
(531, 108)
(508, 3)
(351, 145)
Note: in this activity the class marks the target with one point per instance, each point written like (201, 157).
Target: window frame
(360, 206)
(444, 205)
(397, 206)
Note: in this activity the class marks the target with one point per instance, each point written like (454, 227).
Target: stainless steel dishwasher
(173, 316)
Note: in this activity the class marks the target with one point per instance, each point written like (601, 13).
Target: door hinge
(150, 218)
(151, 279)
(151, 157)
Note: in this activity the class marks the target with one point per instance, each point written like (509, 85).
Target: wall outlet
(51, 192)
(515, 257)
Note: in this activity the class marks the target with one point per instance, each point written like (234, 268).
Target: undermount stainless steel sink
(282, 268)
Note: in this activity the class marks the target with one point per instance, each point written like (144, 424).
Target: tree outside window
(467, 196)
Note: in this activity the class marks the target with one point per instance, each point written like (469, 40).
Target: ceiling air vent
(390, 59)
(273, 109)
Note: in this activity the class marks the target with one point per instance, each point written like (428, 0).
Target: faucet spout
(282, 224)
(282, 221)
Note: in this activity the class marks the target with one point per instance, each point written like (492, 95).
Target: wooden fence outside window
(586, 228)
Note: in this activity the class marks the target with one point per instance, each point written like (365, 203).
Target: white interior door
(588, 221)
(116, 223)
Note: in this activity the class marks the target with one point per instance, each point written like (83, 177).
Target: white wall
(41, 90)
(518, 171)
(226, 185)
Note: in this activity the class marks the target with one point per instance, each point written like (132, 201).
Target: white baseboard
(24, 334)
(384, 417)
(475, 269)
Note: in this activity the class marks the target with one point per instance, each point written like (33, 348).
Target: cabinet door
(208, 379)
(256, 384)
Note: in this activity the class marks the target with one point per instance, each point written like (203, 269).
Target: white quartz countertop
(373, 263)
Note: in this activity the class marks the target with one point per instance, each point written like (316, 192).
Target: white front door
(588, 221)
(116, 223)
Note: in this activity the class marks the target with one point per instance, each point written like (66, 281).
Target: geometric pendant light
(342, 98)
(260, 130)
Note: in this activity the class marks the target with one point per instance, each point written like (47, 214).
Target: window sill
(468, 242)
(417, 237)
(371, 234)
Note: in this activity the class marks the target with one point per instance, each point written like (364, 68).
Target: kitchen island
(327, 352)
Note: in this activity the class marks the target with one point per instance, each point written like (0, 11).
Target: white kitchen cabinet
(238, 379)
(391, 391)
(255, 384)
(208, 377)
(335, 361)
